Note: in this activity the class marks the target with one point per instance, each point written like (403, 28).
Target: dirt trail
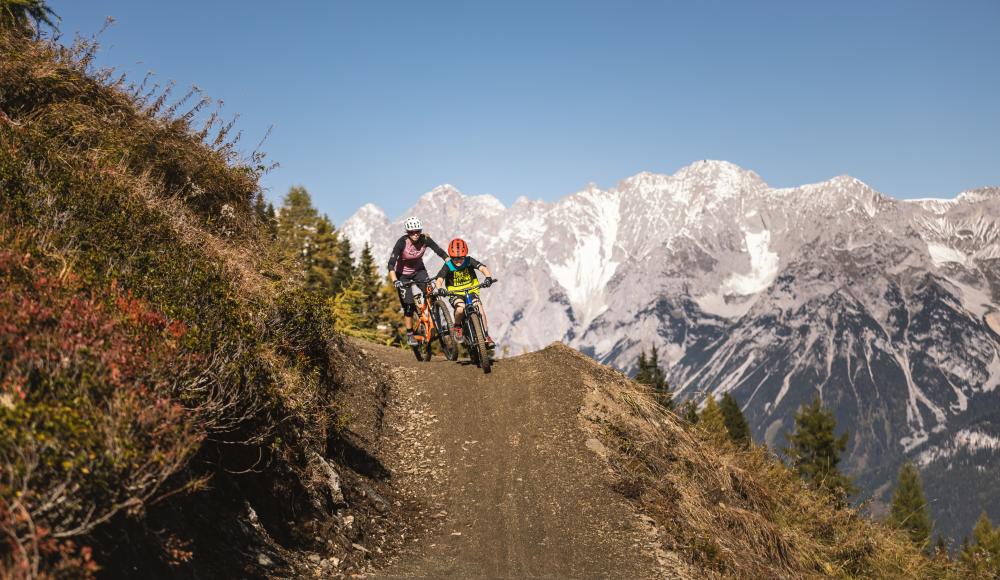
(517, 491)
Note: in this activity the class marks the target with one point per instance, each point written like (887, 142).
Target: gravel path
(509, 480)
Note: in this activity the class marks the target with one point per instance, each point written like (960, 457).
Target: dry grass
(736, 513)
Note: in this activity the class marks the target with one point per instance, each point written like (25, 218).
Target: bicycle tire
(476, 322)
(418, 330)
(443, 319)
(470, 341)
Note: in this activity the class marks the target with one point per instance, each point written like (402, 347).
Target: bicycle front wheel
(480, 342)
(419, 331)
(443, 320)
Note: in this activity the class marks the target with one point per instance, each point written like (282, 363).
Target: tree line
(362, 302)
(814, 452)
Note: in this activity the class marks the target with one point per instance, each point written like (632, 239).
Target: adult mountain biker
(406, 265)
(457, 274)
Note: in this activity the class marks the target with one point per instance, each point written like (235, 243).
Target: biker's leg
(409, 309)
(456, 327)
(486, 325)
(422, 279)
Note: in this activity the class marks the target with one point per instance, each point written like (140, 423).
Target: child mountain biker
(406, 264)
(457, 274)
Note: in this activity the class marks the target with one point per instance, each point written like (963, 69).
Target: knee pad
(409, 309)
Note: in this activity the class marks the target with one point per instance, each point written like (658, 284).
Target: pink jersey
(408, 258)
(412, 259)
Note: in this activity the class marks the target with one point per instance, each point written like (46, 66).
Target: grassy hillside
(726, 512)
(161, 383)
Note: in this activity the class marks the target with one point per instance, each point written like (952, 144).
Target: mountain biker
(406, 264)
(459, 273)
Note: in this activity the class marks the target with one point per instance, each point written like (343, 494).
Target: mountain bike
(474, 329)
(432, 321)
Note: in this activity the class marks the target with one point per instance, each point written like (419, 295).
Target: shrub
(89, 425)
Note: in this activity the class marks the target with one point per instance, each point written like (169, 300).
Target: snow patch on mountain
(973, 299)
(964, 440)
(585, 273)
(942, 254)
(763, 265)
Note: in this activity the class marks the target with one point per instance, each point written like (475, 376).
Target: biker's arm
(435, 248)
(486, 271)
(441, 275)
(396, 251)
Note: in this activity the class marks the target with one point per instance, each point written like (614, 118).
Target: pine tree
(658, 380)
(652, 375)
(322, 264)
(272, 221)
(711, 421)
(26, 16)
(982, 556)
(366, 281)
(642, 376)
(736, 423)
(297, 224)
(815, 452)
(345, 266)
(909, 508)
(348, 314)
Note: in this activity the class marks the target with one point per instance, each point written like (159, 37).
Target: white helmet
(412, 223)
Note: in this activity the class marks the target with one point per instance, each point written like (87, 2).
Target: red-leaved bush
(91, 422)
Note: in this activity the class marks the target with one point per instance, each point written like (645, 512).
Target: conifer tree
(272, 221)
(909, 508)
(348, 314)
(26, 16)
(366, 281)
(982, 556)
(711, 420)
(345, 266)
(815, 452)
(642, 376)
(658, 380)
(651, 374)
(322, 260)
(736, 423)
(297, 223)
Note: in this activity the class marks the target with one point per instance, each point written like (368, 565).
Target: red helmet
(457, 248)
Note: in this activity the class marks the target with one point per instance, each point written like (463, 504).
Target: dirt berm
(520, 484)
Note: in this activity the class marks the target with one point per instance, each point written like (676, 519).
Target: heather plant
(89, 424)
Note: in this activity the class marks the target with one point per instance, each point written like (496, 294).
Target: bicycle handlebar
(464, 292)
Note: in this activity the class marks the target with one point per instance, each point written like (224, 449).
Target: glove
(487, 283)
(441, 292)
(398, 284)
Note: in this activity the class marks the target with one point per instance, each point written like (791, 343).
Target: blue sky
(381, 101)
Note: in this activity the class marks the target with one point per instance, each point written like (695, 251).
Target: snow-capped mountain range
(885, 308)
